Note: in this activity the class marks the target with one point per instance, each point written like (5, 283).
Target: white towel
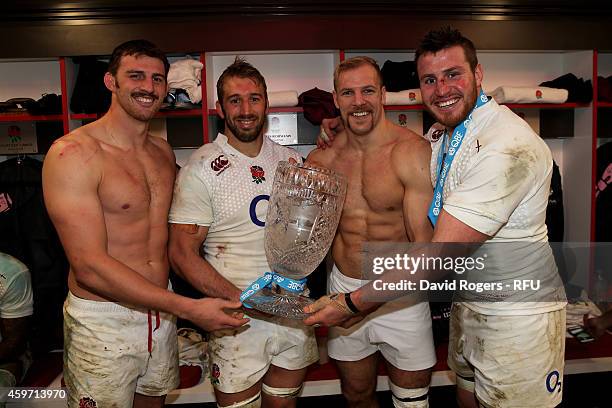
(187, 74)
(407, 97)
(282, 99)
(192, 349)
(576, 309)
(541, 94)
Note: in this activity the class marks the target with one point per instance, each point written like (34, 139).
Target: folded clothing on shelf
(48, 104)
(541, 94)
(178, 99)
(577, 308)
(579, 90)
(16, 105)
(318, 105)
(187, 74)
(399, 76)
(282, 99)
(407, 97)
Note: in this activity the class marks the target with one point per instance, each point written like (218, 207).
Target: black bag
(90, 95)
(49, 104)
(554, 210)
(399, 76)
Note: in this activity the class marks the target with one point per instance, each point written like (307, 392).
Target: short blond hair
(354, 63)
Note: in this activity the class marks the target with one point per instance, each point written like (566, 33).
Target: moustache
(361, 108)
(145, 94)
(247, 117)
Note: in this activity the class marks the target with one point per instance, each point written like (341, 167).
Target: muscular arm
(71, 176)
(184, 251)
(14, 336)
(411, 161)
(448, 229)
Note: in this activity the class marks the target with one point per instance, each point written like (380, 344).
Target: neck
(123, 130)
(250, 149)
(374, 138)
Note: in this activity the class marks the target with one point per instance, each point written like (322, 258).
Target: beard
(452, 119)
(246, 136)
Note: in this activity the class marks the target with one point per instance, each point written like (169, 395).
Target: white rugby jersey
(228, 192)
(498, 184)
(16, 298)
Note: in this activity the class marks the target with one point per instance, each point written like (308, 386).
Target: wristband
(350, 304)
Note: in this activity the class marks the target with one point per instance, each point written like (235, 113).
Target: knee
(356, 392)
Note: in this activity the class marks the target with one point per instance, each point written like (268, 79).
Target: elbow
(85, 270)
(84, 277)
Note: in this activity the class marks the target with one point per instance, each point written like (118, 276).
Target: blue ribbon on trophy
(291, 285)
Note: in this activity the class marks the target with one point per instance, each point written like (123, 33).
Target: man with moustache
(108, 188)
(388, 195)
(505, 354)
(219, 206)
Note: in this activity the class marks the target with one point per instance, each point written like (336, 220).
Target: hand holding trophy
(303, 214)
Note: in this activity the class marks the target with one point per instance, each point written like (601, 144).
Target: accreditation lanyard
(445, 159)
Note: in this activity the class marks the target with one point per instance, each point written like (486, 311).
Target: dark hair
(242, 69)
(136, 48)
(444, 38)
(356, 62)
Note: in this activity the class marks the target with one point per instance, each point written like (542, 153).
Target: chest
(136, 185)
(372, 182)
(460, 164)
(241, 192)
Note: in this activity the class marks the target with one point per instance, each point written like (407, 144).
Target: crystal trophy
(303, 214)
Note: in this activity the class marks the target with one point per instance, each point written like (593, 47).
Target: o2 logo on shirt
(253, 209)
(553, 381)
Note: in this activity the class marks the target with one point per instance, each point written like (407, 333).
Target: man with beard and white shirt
(108, 188)
(387, 198)
(219, 206)
(491, 175)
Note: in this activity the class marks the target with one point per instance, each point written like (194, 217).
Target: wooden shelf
(84, 116)
(394, 108)
(26, 117)
(289, 109)
(179, 113)
(160, 114)
(568, 105)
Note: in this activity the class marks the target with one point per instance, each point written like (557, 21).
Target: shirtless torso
(134, 190)
(388, 192)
